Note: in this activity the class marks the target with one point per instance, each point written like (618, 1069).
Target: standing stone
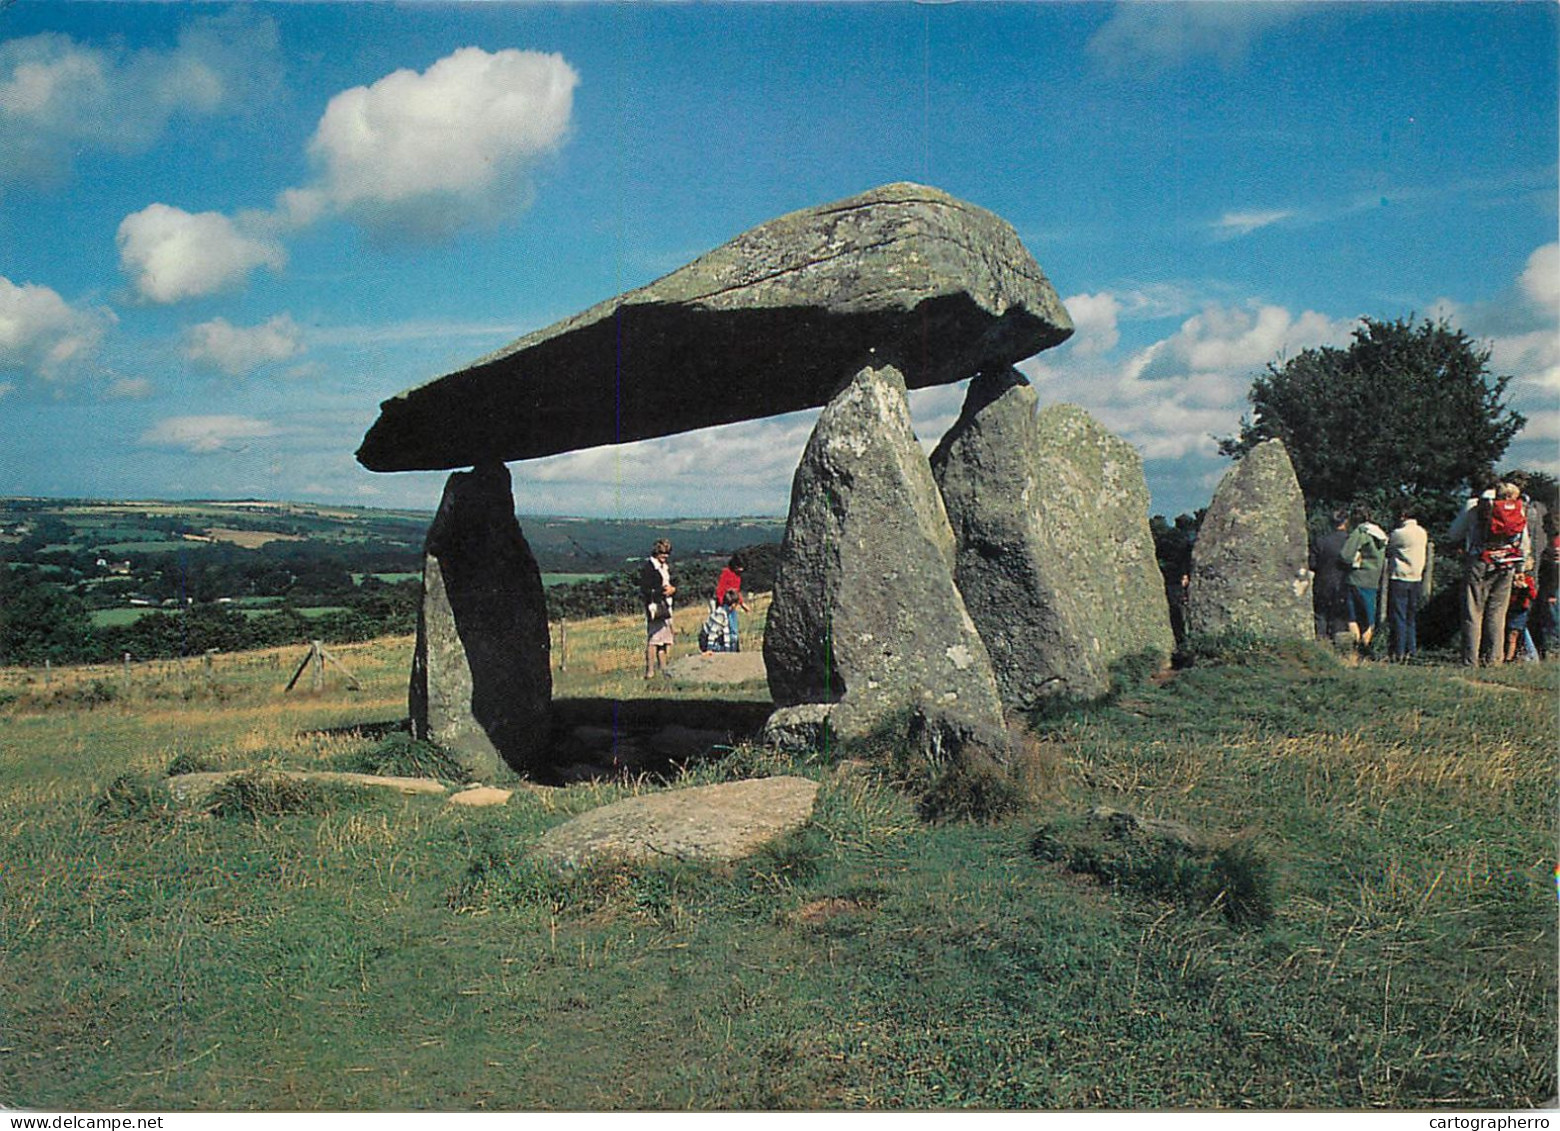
(866, 614)
(481, 675)
(1249, 566)
(1055, 558)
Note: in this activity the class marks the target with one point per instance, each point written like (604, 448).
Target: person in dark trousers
(1407, 547)
(655, 591)
(1329, 598)
(1491, 559)
(1546, 614)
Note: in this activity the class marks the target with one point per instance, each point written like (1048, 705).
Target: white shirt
(666, 579)
(1406, 548)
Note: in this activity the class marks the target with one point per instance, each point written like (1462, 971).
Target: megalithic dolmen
(776, 320)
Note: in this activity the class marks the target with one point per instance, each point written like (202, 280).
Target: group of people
(1353, 564)
(1511, 558)
(1511, 577)
(1512, 571)
(721, 629)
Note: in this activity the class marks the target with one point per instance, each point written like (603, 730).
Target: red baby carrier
(1502, 521)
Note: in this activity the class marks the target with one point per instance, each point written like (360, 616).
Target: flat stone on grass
(708, 822)
(481, 796)
(718, 668)
(195, 788)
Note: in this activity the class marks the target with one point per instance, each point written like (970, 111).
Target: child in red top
(1523, 590)
(728, 596)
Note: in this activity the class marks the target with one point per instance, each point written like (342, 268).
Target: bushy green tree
(1173, 542)
(40, 620)
(1405, 412)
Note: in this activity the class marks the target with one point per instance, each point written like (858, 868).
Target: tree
(1405, 413)
(1545, 488)
(40, 620)
(1173, 542)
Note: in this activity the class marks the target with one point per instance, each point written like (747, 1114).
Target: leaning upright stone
(481, 674)
(1055, 558)
(866, 615)
(1250, 571)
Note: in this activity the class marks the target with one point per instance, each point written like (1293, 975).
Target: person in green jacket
(1364, 555)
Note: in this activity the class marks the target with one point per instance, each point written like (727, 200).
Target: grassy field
(1376, 927)
(106, 617)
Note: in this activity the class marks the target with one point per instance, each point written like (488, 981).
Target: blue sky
(226, 233)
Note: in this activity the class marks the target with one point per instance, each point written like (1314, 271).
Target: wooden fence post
(317, 658)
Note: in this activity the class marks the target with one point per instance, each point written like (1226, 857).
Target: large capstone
(866, 614)
(1250, 571)
(481, 673)
(765, 324)
(1055, 558)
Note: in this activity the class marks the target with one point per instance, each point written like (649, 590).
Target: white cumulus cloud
(240, 350)
(1540, 280)
(42, 334)
(1533, 359)
(1239, 338)
(203, 435)
(414, 154)
(1095, 329)
(1173, 396)
(428, 152)
(170, 254)
(60, 98)
(1150, 38)
(733, 469)
(1522, 330)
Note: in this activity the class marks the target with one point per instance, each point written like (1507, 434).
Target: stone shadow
(597, 739)
(606, 738)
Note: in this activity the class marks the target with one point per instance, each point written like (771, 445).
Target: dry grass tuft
(1477, 770)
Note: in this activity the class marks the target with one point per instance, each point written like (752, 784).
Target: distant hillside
(139, 529)
(603, 544)
(84, 580)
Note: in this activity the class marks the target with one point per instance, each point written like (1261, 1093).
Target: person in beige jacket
(1407, 547)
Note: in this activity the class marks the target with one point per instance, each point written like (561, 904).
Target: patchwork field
(1369, 924)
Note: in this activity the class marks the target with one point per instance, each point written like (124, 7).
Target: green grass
(354, 950)
(250, 606)
(264, 610)
(114, 617)
(150, 546)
